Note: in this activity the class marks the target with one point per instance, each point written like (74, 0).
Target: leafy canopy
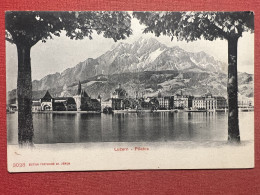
(27, 27)
(191, 26)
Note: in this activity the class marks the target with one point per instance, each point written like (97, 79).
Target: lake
(130, 127)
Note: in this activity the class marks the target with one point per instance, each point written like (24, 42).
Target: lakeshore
(137, 111)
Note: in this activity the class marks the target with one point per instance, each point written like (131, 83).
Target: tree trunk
(232, 90)
(24, 95)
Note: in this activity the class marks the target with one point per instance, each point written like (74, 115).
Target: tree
(25, 29)
(191, 26)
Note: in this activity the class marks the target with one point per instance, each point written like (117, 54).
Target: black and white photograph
(127, 90)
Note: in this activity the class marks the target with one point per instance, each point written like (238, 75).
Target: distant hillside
(151, 82)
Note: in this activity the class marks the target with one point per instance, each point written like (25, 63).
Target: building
(118, 97)
(154, 103)
(182, 101)
(199, 103)
(130, 103)
(81, 98)
(143, 103)
(81, 101)
(165, 102)
(106, 104)
(245, 102)
(47, 102)
(71, 104)
(221, 102)
(95, 105)
(119, 93)
(12, 107)
(117, 104)
(36, 106)
(64, 104)
(84, 101)
(210, 102)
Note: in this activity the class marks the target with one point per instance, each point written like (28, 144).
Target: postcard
(124, 90)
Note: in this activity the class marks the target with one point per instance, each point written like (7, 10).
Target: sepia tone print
(100, 86)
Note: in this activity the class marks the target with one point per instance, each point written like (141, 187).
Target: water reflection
(125, 127)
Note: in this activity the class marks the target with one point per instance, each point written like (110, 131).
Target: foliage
(24, 27)
(191, 26)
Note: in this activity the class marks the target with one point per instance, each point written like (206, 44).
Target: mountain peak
(150, 40)
(120, 45)
(143, 55)
(202, 53)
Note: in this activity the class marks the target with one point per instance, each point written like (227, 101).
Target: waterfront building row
(81, 101)
(120, 100)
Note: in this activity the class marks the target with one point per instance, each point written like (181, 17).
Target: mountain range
(148, 66)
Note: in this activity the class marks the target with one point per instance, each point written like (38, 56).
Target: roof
(47, 96)
(69, 100)
(58, 103)
(220, 98)
(109, 99)
(60, 98)
(181, 96)
(84, 93)
(36, 104)
(119, 90)
(199, 98)
(94, 100)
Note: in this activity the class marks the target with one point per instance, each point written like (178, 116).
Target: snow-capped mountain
(142, 55)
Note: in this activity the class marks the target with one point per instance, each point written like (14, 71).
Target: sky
(60, 53)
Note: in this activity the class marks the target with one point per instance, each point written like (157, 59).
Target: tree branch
(215, 26)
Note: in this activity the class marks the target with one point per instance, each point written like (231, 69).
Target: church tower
(77, 97)
(79, 89)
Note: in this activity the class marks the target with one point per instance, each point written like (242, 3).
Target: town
(120, 101)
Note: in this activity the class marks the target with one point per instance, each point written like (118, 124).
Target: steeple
(159, 94)
(79, 88)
